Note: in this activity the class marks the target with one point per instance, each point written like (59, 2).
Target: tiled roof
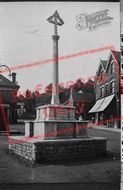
(77, 97)
(105, 63)
(83, 97)
(44, 99)
(4, 82)
(117, 55)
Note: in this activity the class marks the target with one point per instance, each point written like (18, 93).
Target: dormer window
(102, 91)
(101, 74)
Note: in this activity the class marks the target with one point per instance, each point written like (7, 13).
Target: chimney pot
(14, 78)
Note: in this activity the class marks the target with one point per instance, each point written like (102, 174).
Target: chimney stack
(14, 78)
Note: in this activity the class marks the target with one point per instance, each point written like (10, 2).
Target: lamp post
(10, 74)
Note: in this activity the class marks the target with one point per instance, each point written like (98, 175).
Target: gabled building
(83, 102)
(8, 100)
(121, 37)
(107, 91)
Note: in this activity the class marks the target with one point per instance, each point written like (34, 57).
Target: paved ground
(107, 169)
(107, 129)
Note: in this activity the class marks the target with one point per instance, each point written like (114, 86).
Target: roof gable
(102, 65)
(80, 91)
(105, 63)
(113, 55)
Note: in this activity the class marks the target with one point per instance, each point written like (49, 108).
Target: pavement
(20, 128)
(107, 129)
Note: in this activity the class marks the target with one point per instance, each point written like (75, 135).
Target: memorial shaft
(55, 89)
(57, 21)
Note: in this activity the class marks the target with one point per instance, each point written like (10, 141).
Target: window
(97, 91)
(112, 67)
(101, 75)
(106, 89)
(122, 52)
(102, 91)
(112, 84)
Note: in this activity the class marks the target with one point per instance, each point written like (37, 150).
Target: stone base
(56, 129)
(55, 122)
(55, 112)
(36, 150)
(56, 135)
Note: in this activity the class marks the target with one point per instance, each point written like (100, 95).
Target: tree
(79, 85)
(89, 86)
(28, 94)
(48, 89)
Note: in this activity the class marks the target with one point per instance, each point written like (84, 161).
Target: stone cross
(57, 21)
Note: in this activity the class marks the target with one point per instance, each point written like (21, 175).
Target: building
(107, 91)
(83, 102)
(26, 106)
(8, 95)
(121, 37)
(43, 99)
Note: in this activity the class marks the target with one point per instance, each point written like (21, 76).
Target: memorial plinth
(38, 151)
(56, 136)
(54, 122)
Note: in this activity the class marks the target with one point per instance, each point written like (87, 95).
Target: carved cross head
(56, 20)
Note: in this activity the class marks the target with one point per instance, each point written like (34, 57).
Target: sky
(26, 37)
(121, 15)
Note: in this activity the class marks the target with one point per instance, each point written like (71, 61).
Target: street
(106, 169)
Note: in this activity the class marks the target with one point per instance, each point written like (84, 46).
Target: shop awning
(102, 104)
(96, 106)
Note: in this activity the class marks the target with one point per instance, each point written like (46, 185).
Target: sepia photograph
(61, 92)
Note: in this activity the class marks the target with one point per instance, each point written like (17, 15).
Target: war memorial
(55, 134)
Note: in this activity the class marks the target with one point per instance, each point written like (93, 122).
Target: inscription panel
(61, 113)
(65, 130)
(50, 130)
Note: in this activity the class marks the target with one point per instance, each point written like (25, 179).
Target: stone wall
(59, 149)
(23, 149)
